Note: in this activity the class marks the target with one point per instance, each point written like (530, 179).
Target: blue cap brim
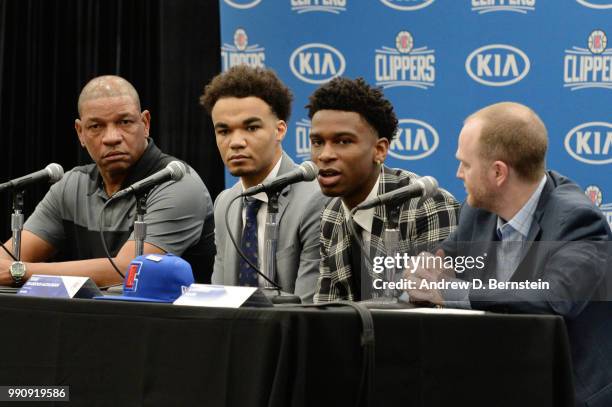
(136, 299)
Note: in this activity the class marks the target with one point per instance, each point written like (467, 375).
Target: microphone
(51, 173)
(307, 171)
(175, 170)
(424, 186)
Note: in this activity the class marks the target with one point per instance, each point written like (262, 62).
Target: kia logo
(415, 139)
(401, 4)
(590, 143)
(317, 63)
(242, 4)
(497, 65)
(592, 4)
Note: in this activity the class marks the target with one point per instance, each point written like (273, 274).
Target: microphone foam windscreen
(430, 186)
(310, 170)
(55, 171)
(177, 170)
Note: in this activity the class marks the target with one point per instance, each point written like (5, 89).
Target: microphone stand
(140, 226)
(269, 260)
(270, 293)
(391, 239)
(17, 223)
(271, 238)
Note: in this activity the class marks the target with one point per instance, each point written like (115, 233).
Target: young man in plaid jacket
(352, 126)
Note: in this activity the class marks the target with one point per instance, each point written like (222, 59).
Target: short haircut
(107, 86)
(514, 134)
(243, 81)
(355, 95)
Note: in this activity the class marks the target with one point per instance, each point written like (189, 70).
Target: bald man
(64, 226)
(537, 244)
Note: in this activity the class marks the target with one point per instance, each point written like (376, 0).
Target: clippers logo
(490, 6)
(244, 4)
(407, 5)
(590, 143)
(596, 4)
(241, 53)
(328, 6)
(589, 67)
(497, 65)
(595, 195)
(414, 140)
(404, 65)
(317, 63)
(302, 139)
(131, 280)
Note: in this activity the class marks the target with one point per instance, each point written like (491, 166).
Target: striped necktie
(247, 276)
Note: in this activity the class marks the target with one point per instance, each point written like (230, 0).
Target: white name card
(222, 296)
(40, 285)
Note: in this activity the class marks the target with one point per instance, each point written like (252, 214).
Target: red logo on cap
(130, 279)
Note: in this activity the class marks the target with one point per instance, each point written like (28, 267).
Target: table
(132, 354)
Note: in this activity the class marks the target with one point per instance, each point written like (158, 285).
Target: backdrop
(440, 60)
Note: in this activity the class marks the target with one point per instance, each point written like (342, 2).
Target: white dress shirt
(364, 218)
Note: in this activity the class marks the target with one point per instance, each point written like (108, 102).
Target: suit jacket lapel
(534, 231)
(377, 244)
(387, 183)
(235, 223)
(287, 165)
(488, 245)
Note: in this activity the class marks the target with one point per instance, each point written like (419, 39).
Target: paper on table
(439, 311)
(205, 295)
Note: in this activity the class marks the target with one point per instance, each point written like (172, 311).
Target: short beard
(238, 172)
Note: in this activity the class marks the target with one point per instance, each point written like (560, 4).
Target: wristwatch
(18, 271)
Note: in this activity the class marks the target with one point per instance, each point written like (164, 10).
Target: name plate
(40, 285)
(222, 296)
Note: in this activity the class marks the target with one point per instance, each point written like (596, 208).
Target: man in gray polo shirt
(64, 225)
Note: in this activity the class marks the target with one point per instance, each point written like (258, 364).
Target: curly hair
(243, 81)
(356, 96)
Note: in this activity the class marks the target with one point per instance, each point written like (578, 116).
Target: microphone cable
(239, 250)
(357, 236)
(104, 246)
(8, 252)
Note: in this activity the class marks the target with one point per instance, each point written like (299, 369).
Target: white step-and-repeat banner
(440, 60)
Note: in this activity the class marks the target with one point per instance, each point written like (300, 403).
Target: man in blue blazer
(250, 108)
(547, 246)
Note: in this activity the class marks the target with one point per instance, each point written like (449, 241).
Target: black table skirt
(141, 354)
